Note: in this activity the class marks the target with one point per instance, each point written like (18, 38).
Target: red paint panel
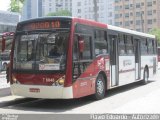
(83, 88)
(37, 79)
(85, 84)
(68, 81)
(90, 22)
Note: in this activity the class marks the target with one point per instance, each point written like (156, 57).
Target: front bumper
(37, 91)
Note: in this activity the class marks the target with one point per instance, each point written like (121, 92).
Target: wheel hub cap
(100, 87)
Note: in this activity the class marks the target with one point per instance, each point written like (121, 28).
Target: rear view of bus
(38, 60)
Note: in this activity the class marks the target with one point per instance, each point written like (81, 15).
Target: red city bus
(65, 57)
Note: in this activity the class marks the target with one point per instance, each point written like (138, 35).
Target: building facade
(51, 6)
(110, 12)
(32, 9)
(139, 15)
(8, 21)
(78, 8)
(99, 10)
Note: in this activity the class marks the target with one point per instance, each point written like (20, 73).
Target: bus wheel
(145, 76)
(4, 66)
(99, 87)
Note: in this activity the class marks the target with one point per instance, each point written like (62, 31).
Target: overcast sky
(4, 4)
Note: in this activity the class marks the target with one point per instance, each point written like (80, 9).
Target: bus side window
(121, 44)
(144, 48)
(154, 47)
(101, 43)
(87, 53)
(150, 47)
(129, 45)
(75, 48)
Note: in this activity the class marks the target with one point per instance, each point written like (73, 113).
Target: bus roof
(130, 31)
(80, 20)
(46, 18)
(110, 27)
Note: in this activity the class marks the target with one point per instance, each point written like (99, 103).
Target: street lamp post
(95, 9)
(142, 22)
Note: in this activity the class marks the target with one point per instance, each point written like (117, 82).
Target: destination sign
(40, 25)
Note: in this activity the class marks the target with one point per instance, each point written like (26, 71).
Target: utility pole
(95, 9)
(142, 21)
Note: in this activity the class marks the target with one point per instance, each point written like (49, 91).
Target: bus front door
(114, 59)
(137, 59)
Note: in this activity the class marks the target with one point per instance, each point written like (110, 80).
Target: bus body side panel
(126, 69)
(149, 62)
(85, 84)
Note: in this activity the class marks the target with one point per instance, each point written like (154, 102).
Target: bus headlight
(60, 81)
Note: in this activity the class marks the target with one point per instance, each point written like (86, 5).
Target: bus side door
(113, 58)
(137, 58)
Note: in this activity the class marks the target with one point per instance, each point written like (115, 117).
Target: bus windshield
(40, 51)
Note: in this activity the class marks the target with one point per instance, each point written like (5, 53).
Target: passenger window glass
(101, 44)
(87, 54)
(121, 45)
(129, 45)
(150, 46)
(144, 49)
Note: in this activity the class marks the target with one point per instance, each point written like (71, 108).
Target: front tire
(99, 87)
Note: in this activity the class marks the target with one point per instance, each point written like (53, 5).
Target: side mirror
(81, 44)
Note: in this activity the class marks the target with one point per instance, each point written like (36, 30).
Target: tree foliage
(60, 13)
(156, 32)
(16, 5)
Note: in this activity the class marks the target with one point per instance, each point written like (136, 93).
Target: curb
(5, 92)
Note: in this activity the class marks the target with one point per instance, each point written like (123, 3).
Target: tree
(156, 32)
(60, 13)
(16, 5)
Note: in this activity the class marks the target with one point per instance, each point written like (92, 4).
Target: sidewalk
(5, 92)
(4, 86)
(2, 72)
